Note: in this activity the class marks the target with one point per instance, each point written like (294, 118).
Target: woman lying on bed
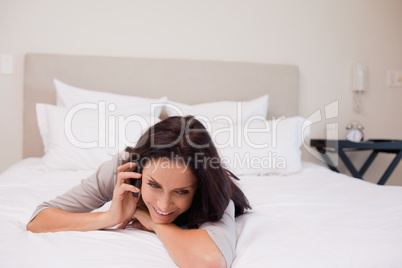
(187, 197)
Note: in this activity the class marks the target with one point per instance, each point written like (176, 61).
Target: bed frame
(186, 81)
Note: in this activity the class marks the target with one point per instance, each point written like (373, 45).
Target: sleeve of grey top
(92, 193)
(223, 233)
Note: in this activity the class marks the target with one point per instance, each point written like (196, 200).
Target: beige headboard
(186, 81)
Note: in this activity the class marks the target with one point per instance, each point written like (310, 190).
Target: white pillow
(81, 139)
(260, 146)
(68, 96)
(235, 112)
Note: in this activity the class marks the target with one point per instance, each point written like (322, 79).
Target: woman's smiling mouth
(161, 212)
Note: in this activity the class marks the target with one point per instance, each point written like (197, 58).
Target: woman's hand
(123, 203)
(144, 220)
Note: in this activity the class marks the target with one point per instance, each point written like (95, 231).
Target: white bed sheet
(315, 218)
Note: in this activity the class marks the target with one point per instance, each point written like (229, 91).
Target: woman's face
(168, 189)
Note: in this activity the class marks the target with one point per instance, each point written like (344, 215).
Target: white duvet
(315, 218)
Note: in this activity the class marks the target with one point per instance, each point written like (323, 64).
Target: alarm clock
(354, 132)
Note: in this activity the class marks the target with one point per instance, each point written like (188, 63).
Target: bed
(303, 215)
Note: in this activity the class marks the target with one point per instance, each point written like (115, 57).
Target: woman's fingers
(127, 175)
(138, 225)
(123, 225)
(125, 172)
(127, 188)
(127, 166)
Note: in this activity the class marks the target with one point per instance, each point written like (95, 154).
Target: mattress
(312, 218)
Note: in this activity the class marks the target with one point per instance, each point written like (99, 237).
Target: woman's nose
(164, 203)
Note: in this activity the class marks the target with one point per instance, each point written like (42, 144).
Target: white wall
(324, 38)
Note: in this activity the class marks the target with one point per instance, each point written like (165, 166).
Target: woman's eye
(153, 185)
(182, 192)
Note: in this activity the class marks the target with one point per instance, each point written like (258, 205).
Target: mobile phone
(134, 181)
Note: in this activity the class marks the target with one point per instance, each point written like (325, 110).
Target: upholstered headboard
(186, 81)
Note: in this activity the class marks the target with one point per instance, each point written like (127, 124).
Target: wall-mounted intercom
(359, 77)
(359, 83)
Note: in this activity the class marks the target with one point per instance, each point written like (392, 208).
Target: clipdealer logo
(330, 113)
(112, 125)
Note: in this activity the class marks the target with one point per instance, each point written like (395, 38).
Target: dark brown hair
(186, 138)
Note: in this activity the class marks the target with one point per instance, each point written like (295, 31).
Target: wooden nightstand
(376, 146)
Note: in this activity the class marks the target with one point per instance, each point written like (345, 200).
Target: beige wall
(324, 38)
